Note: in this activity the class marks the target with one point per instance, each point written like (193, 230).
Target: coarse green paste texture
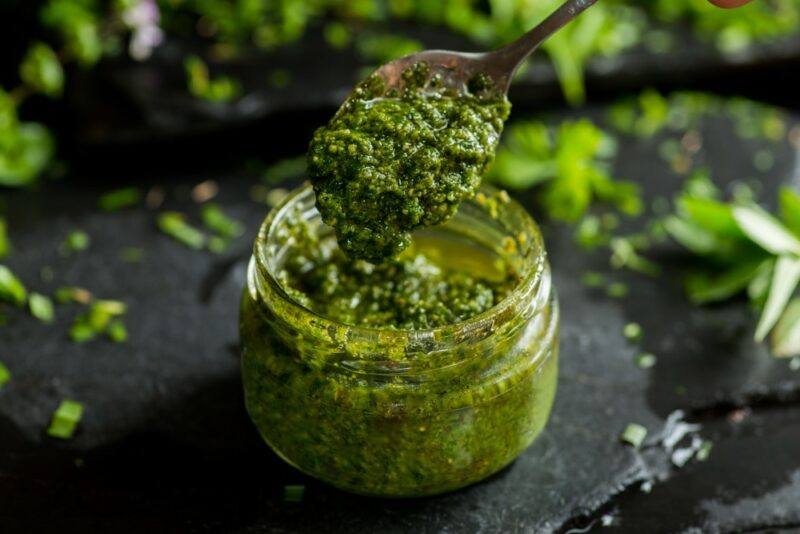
(344, 382)
(415, 290)
(387, 164)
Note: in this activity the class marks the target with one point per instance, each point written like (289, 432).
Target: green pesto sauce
(386, 165)
(418, 289)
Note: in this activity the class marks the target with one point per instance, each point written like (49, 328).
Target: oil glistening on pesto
(387, 164)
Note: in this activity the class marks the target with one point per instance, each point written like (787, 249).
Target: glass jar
(401, 413)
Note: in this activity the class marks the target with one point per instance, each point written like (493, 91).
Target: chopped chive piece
(117, 332)
(276, 196)
(704, 451)
(5, 375)
(65, 419)
(78, 295)
(634, 435)
(217, 244)
(632, 331)
(174, 225)
(76, 241)
(593, 279)
(294, 493)
(617, 290)
(41, 307)
(81, 331)
(11, 288)
(5, 244)
(120, 199)
(646, 360)
(131, 254)
(216, 220)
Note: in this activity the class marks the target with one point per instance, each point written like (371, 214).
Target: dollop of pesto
(418, 289)
(388, 164)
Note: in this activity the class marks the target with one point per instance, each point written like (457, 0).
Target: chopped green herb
(617, 290)
(5, 375)
(294, 493)
(276, 196)
(704, 451)
(218, 245)
(5, 244)
(646, 360)
(593, 279)
(41, 70)
(384, 47)
(174, 225)
(794, 364)
(41, 307)
(201, 85)
(65, 419)
(337, 35)
(117, 332)
(76, 241)
(632, 331)
(625, 255)
(634, 434)
(78, 295)
(216, 220)
(81, 331)
(11, 288)
(120, 199)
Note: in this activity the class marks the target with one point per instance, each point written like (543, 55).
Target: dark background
(165, 444)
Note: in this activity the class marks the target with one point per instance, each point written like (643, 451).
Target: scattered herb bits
(5, 375)
(119, 199)
(11, 288)
(41, 307)
(117, 332)
(634, 434)
(704, 451)
(76, 241)
(294, 493)
(174, 225)
(65, 419)
(78, 295)
(632, 331)
(5, 244)
(217, 221)
(617, 290)
(646, 360)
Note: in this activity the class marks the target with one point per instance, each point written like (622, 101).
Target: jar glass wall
(391, 412)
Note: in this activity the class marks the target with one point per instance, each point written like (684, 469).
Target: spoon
(456, 69)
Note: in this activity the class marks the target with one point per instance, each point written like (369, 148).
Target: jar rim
(467, 330)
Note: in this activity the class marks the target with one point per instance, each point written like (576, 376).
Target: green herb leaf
(216, 220)
(11, 289)
(285, 169)
(5, 375)
(120, 199)
(790, 209)
(41, 70)
(784, 282)
(646, 360)
(785, 339)
(632, 331)
(5, 244)
(76, 241)
(41, 307)
(65, 419)
(174, 225)
(766, 231)
(703, 288)
(634, 434)
(117, 332)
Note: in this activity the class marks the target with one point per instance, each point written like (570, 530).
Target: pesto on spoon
(413, 140)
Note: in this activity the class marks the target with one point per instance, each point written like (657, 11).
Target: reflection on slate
(165, 443)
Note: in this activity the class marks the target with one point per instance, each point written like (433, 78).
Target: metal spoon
(456, 69)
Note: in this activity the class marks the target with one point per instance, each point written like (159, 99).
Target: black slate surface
(165, 444)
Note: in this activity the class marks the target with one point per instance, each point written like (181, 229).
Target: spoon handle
(512, 55)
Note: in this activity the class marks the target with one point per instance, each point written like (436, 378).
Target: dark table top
(165, 443)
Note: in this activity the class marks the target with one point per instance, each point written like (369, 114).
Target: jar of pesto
(394, 410)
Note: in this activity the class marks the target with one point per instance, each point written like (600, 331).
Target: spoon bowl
(454, 70)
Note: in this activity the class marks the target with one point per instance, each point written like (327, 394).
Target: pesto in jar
(343, 393)
(386, 165)
(418, 289)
